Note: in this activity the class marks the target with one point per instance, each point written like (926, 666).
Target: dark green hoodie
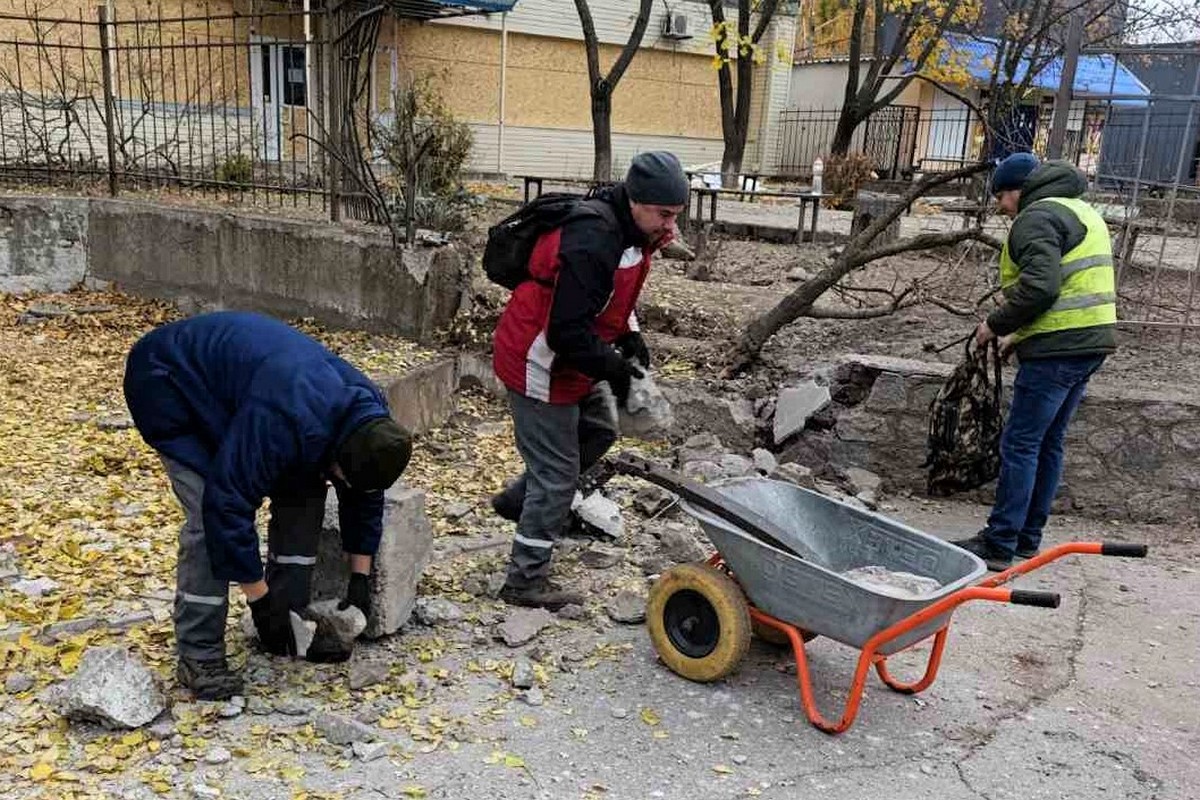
(1039, 237)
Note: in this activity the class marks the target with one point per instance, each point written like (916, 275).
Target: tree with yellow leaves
(737, 44)
(909, 40)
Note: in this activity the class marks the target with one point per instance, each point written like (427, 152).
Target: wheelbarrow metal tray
(811, 594)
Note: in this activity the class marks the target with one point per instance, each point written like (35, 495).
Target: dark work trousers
(201, 600)
(557, 442)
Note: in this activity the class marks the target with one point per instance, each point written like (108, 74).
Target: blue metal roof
(1094, 74)
(438, 9)
(484, 6)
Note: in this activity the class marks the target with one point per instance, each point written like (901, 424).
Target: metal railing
(222, 103)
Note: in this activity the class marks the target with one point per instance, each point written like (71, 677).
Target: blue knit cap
(1012, 172)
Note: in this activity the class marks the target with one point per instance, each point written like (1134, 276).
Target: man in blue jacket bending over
(242, 407)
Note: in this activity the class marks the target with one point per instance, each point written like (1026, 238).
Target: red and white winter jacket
(557, 332)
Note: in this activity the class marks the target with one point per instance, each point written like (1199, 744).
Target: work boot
(506, 507)
(208, 679)
(1026, 552)
(996, 559)
(540, 595)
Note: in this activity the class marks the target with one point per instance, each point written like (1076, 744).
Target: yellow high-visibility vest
(1088, 295)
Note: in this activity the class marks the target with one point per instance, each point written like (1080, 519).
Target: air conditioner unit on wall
(675, 26)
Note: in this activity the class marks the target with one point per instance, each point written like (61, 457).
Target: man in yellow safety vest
(1059, 314)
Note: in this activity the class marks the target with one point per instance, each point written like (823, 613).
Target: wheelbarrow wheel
(699, 622)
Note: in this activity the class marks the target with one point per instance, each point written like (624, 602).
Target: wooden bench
(700, 193)
(1128, 230)
(970, 212)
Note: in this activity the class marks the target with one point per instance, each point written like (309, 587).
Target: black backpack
(510, 242)
(965, 421)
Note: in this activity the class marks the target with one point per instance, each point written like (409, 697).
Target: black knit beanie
(657, 179)
(375, 454)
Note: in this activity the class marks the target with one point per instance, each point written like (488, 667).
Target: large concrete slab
(404, 552)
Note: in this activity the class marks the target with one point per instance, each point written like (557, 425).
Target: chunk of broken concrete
(794, 473)
(628, 608)
(342, 730)
(343, 624)
(404, 551)
(523, 676)
(795, 405)
(600, 557)
(111, 687)
(764, 460)
(522, 625)
(646, 412)
(652, 500)
(735, 466)
(18, 682)
(367, 673)
(680, 546)
(303, 631)
(369, 751)
(35, 587)
(703, 471)
(700, 447)
(433, 611)
(599, 512)
(862, 480)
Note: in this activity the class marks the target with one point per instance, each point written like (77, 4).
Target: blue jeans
(1046, 393)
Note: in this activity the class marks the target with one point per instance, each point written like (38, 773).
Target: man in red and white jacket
(563, 332)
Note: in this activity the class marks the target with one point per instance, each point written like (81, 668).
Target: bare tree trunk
(602, 136)
(856, 254)
(602, 86)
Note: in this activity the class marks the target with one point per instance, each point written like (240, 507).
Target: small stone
(627, 608)
(259, 706)
(652, 500)
(523, 625)
(796, 474)
(34, 587)
(338, 729)
(18, 682)
(114, 422)
(571, 611)
(620, 713)
(764, 460)
(703, 471)
(294, 706)
(862, 480)
(655, 564)
(480, 635)
(176, 741)
(739, 759)
(367, 673)
(202, 791)
(799, 275)
(701, 447)
(534, 696)
(342, 625)
(231, 710)
(369, 751)
(162, 728)
(523, 676)
(680, 546)
(601, 557)
(456, 511)
(217, 755)
(435, 611)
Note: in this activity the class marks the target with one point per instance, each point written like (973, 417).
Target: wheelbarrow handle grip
(1025, 597)
(1122, 549)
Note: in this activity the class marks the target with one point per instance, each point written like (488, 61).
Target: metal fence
(904, 140)
(214, 102)
(900, 140)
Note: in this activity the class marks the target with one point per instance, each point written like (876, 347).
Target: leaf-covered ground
(85, 504)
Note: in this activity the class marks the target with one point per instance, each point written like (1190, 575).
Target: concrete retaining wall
(1129, 454)
(207, 260)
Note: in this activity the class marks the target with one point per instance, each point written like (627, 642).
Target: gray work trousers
(201, 600)
(557, 442)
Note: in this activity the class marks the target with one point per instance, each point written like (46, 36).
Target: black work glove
(273, 622)
(358, 594)
(619, 373)
(633, 345)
